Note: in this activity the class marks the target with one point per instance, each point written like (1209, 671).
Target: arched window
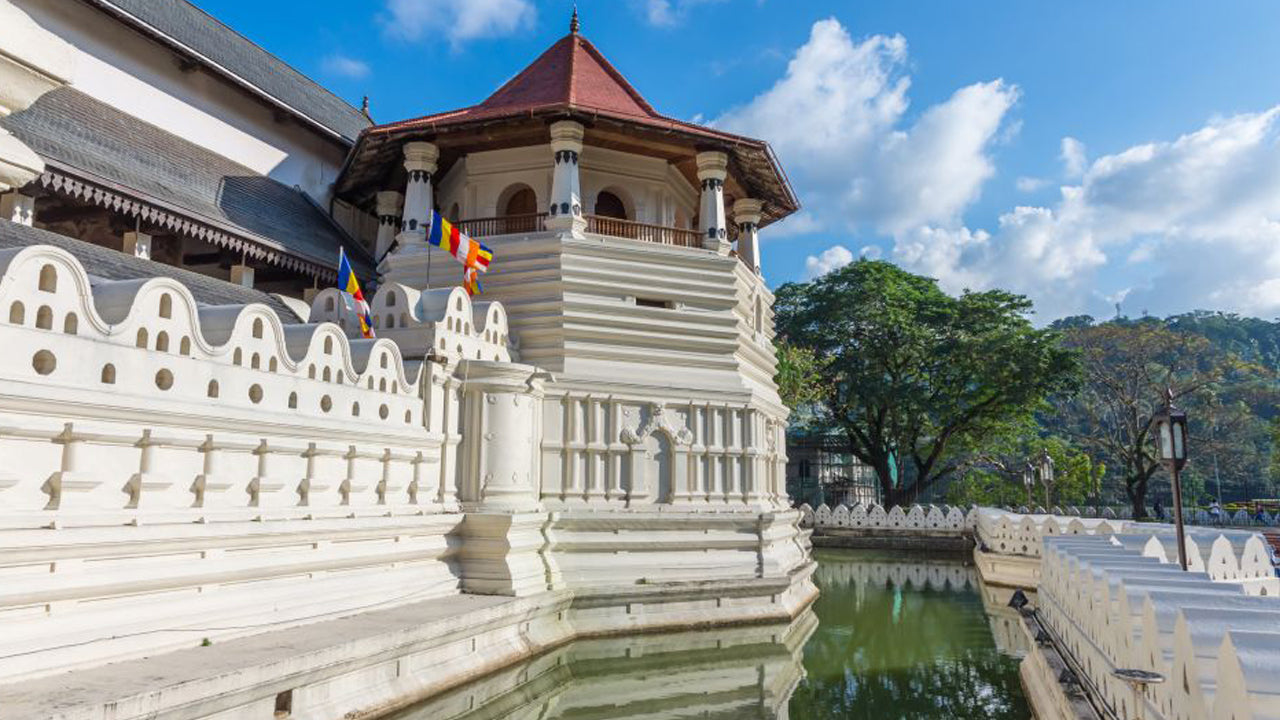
(213, 389)
(108, 374)
(48, 279)
(166, 305)
(71, 324)
(520, 200)
(17, 313)
(610, 205)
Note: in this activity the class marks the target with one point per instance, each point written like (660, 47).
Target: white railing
(1118, 603)
(932, 518)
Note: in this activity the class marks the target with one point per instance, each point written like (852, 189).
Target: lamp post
(1029, 480)
(1046, 476)
(1171, 446)
(1138, 680)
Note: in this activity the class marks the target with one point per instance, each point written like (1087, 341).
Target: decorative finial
(573, 21)
(364, 106)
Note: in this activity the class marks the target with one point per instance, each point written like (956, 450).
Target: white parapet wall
(1112, 603)
(175, 474)
(915, 518)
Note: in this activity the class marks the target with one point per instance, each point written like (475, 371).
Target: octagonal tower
(626, 254)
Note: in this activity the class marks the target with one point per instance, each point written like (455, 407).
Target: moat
(887, 638)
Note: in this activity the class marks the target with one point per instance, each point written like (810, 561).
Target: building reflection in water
(886, 639)
(742, 672)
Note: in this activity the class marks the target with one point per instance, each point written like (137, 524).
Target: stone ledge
(370, 662)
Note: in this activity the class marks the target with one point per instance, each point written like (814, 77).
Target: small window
(162, 341)
(383, 411)
(166, 305)
(164, 379)
(44, 318)
(382, 385)
(654, 303)
(391, 322)
(327, 376)
(408, 416)
(255, 361)
(391, 299)
(273, 365)
(382, 360)
(17, 313)
(213, 388)
(355, 409)
(293, 401)
(71, 324)
(328, 346)
(326, 403)
(257, 327)
(49, 279)
(184, 347)
(311, 372)
(108, 374)
(255, 393)
(237, 357)
(328, 304)
(142, 338)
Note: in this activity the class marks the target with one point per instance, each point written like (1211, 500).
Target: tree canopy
(920, 381)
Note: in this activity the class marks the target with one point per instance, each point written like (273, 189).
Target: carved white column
(565, 210)
(713, 168)
(390, 205)
(420, 162)
(502, 550)
(746, 213)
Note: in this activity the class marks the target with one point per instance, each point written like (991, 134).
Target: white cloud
(1073, 157)
(344, 66)
(833, 258)
(457, 20)
(666, 13)
(1030, 184)
(871, 252)
(1198, 215)
(837, 121)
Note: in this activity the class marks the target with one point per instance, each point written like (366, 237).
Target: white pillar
(16, 207)
(566, 189)
(138, 244)
(420, 162)
(242, 275)
(390, 204)
(746, 213)
(713, 168)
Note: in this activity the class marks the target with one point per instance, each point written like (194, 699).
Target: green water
(903, 640)
(886, 639)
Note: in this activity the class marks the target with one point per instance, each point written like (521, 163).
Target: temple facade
(217, 499)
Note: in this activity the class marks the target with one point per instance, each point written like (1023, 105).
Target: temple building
(218, 499)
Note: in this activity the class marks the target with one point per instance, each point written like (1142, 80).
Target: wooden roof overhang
(376, 161)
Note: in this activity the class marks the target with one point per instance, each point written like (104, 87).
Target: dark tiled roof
(96, 142)
(192, 29)
(107, 264)
(573, 79)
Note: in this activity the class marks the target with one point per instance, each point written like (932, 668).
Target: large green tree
(1127, 368)
(917, 380)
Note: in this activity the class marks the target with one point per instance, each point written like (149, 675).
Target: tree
(918, 380)
(1127, 367)
(995, 475)
(797, 377)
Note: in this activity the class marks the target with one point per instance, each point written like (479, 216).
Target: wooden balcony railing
(660, 234)
(613, 227)
(505, 225)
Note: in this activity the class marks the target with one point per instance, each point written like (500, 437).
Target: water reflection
(886, 639)
(745, 672)
(905, 640)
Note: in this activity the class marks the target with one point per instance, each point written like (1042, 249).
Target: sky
(1086, 154)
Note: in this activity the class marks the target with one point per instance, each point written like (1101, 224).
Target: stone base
(1016, 571)
(373, 662)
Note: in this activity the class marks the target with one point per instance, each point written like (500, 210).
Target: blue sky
(1083, 153)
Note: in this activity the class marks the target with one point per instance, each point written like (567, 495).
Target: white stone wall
(922, 518)
(1112, 607)
(174, 472)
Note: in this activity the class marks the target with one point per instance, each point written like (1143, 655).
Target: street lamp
(1138, 680)
(1171, 446)
(1046, 475)
(1029, 480)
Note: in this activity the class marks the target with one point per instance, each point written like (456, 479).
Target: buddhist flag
(348, 284)
(474, 256)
